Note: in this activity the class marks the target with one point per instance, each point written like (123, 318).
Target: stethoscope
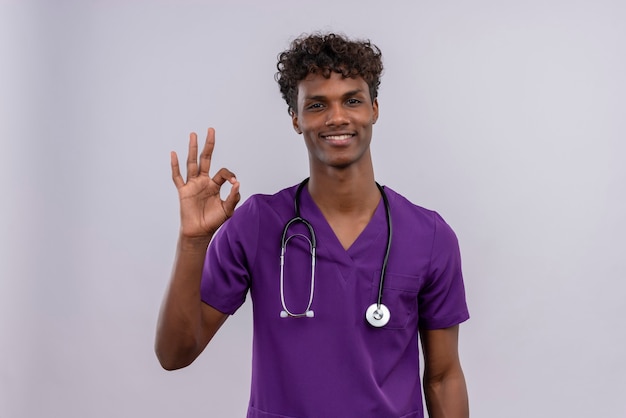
(377, 314)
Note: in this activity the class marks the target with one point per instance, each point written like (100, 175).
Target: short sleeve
(226, 272)
(442, 302)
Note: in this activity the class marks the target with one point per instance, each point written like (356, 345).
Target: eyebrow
(346, 94)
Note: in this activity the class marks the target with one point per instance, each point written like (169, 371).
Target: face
(335, 115)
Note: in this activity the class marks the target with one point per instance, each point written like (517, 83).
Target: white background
(508, 117)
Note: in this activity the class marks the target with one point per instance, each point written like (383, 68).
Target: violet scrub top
(336, 364)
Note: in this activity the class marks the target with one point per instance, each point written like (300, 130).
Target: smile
(338, 138)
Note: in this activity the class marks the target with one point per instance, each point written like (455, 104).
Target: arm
(186, 324)
(444, 382)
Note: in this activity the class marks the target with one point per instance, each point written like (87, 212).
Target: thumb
(233, 197)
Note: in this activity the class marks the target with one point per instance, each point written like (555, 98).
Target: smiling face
(335, 115)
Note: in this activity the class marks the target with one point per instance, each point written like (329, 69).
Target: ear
(375, 108)
(294, 122)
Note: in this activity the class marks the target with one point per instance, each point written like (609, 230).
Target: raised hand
(202, 210)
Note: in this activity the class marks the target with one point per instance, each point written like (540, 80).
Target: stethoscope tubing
(383, 270)
(377, 314)
(312, 245)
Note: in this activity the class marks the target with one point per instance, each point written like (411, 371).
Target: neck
(344, 192)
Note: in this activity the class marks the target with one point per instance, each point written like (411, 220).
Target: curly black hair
(324, 54)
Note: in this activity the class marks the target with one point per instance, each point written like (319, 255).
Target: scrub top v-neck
(346, 259)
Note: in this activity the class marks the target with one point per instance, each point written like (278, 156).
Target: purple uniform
(336, 364)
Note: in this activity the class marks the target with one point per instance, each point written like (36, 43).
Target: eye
(315, 106)
(353, 102)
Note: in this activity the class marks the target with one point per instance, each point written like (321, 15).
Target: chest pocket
(400, 296)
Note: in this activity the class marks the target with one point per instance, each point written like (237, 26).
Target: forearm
(179, 337)
(446, 397)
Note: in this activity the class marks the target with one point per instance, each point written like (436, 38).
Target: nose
(337, 116)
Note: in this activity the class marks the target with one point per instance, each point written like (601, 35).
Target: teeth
(338, 137)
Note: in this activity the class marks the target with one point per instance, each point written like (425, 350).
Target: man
(337, 313)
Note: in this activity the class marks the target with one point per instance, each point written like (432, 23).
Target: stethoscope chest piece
(377, 315)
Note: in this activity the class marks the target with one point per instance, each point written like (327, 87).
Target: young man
(343, 274)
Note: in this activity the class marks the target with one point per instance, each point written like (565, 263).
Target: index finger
(207, 152)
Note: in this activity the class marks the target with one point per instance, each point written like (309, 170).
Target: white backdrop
(506, 117)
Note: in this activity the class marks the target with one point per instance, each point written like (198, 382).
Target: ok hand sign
(202, 210)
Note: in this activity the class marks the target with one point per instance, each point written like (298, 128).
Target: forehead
(335, 86)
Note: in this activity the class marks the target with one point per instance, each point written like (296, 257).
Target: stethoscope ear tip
(308, 314)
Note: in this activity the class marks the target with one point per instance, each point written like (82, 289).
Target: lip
(338, 138)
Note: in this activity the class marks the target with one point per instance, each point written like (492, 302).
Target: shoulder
(263, 202)
(260, 215)
(412, 217)
(401, 202)
(260, 207)
(407, 209)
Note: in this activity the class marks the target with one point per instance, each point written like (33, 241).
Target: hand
(202, 210)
